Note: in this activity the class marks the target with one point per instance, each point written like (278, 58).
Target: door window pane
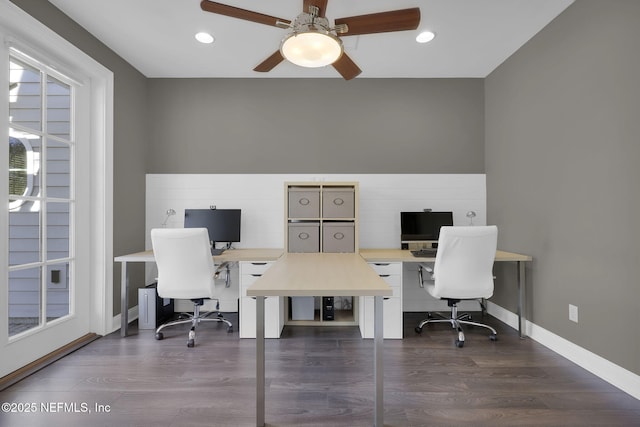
(24, 300)
(25, 101)
(58, 108)
(24, 234)
(58, 170)
(57, 230)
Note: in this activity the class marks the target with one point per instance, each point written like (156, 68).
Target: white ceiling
(473, 37)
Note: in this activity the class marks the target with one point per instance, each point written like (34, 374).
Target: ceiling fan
(312, 42)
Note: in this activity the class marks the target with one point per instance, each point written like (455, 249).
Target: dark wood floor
(318, 376)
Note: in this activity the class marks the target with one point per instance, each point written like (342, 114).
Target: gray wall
(562, 153)
(316, 126)
(130, 136)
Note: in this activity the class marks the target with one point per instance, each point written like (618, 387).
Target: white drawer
(387, 268)
(393, 280)
(254, 267)
(246, 280)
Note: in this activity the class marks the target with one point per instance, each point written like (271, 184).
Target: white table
(320, 274)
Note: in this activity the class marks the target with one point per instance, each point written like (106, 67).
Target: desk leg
(378, 376)
(260, 377)
(522, 295)
(124, 301)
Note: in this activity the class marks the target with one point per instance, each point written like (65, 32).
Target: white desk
(398, 255)
(230, 255)
(320, 274)
(370, 255)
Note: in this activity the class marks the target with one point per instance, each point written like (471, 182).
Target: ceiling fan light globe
(311, 49)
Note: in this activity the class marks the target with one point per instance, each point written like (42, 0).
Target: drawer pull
(382, 263)
(338, 236)
(385, 275)
(258, 263)
(304, 201)
(303, 236)
(257, 275)
(338, 201)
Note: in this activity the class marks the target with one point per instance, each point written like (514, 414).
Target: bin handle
(304, 201)
(303, 236)
(338, 201)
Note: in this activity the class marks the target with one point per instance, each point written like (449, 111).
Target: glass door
(48, 266)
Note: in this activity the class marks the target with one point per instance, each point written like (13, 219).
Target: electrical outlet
(573, 313)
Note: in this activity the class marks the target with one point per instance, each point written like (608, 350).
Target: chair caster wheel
(418, 329)
(192, 338)
(459, 343)
(493, 337)
(229, 329)
(159, 336)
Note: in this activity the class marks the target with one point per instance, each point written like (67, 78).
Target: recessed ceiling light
(425, 37)
(204, 37)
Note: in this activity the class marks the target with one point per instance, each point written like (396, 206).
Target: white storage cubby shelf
(321, 217)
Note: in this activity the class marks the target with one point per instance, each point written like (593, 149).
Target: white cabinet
(391, 272)
(273, 306)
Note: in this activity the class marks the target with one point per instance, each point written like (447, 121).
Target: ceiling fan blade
(394, 20)
(346, 67)
(270, 63)
(321, 4)
(236, 12)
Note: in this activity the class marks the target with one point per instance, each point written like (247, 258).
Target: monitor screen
(223, 224)
(423, 226)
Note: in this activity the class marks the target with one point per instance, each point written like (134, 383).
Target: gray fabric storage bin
(304, 237)
(338, 203)
(304, 202)
(338, 237)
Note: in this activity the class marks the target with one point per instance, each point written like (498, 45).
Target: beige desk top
(395, 255)
(268, 254)
(320, 274)
(229, 255)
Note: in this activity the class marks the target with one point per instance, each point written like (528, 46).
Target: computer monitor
(223, 224)
(423, 226)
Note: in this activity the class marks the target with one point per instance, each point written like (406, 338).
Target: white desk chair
(185, 271)
(463, 270)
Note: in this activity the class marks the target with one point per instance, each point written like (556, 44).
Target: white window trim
(30, 32)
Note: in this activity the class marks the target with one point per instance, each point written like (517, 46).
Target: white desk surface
(320, 274)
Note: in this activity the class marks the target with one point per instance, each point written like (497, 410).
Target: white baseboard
(615, 375)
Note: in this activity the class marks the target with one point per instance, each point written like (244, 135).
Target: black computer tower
(327, 308)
